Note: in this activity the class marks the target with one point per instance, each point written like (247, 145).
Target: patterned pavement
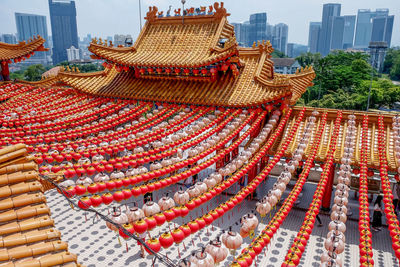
(96, 245)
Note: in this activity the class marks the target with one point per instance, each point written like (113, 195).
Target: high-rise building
(63, 27)
(257, 28)
(313, 35)
(8, 38)
(290, 49)
(342, 32)
(119, 39)
(328, 13)
(73, 53)
(382, 28)
(280, 37)
(29, 25)
(364, 26)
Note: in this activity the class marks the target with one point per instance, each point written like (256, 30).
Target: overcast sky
(103, 18)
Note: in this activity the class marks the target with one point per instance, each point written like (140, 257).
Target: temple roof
(242, 91)
(22, 49)
(28, 236)
(167, 42)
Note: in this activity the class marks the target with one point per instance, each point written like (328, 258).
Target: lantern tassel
(127, 248)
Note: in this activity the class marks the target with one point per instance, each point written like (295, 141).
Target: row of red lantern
(298, 246)
(59, 100)
(76, 106)
(15, 99)
(365, 246)
(28, 132)
(249, 254)
(123, 132)
(134, 159)
(22, 58)
(59, 136)
(143, 189)
(57, 127)
(141, 157)
(263, 240)
(178, 234)
(38, 97)
(92, 129)
(391, 217)
(217, 189)
(130, 144)
(266, 235)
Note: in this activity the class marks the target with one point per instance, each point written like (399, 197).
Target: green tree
(34, 72)
(306, 59)
(278, 54)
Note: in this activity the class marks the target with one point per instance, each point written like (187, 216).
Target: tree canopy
(342, 81)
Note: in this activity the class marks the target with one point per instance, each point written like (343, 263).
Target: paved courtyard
(96, 245)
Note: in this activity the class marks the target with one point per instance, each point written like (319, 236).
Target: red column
(326, 200)
(235, 152)
(5, 72)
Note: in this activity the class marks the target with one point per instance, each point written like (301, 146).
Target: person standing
(396, 193)
(377, 215)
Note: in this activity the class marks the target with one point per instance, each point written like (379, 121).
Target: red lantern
(140, 226)
(107, 198)
(154, 244)
(166, 240)
(84, 202)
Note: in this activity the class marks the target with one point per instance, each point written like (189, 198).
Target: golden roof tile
(28, 236)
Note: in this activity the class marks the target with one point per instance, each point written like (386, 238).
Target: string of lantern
(365, 246)
(391, 217)
(298, 246)
(335, 239)
(264, 239)
(163, 259)
(164, 182)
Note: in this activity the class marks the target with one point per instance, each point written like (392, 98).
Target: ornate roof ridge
(22, 49)
(193, 15)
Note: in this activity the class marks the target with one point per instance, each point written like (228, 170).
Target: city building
(285, 65)
(257, 28)
(290, 50)
(29, 25)
(313, 36)
(279, 37)
(73, 53)
(328, 13)
(364, 26)
(342, 32)
(8, 38)
(120, 39)
(63, 28)
(382, 28)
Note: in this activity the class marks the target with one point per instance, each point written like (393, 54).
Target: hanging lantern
(154, 244)
(166, 240)
(217, 251)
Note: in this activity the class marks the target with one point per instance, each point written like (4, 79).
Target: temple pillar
(326, 200)
(5, 72)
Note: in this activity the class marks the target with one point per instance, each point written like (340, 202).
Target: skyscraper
(29, 25)
(63, 27)
(382, 28)
(258, 28)
(342, 32)
(364, 26)
(328, 13)
(313, 36)
(8, 38)
(280, 37)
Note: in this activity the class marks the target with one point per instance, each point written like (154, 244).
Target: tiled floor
(96, 245)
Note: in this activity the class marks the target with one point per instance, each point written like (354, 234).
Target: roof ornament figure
(100, 41)
(68, 69)
(177, 12)
(169, 11)
(94, 40)
(111, 44)
(160, 14)
(210, 10)
(152, 13)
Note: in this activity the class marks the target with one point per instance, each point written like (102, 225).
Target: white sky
(104, 18)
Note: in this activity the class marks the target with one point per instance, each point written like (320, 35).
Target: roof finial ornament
(254, 44)
(94, 40)
(151, 14)
(169, 11)
(111, 44)
(100, 41)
